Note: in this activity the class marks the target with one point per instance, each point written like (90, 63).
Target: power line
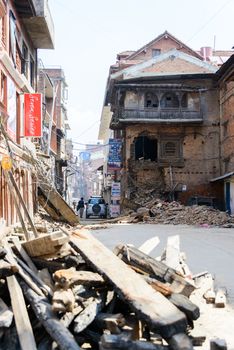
(209, 20)
(90, 127)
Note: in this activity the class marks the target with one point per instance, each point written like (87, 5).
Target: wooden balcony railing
(158, 114)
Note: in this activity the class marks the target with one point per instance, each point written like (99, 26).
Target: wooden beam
(45, 244)
(173, 252)
(180, 341)
(24, 255)
(16, 205)
(119, 342)
(156, 269)
(11, 259)
(45, 315)
(23, 326)
(149, 245)
(87, 316)
(21, 200)
(185, 305)
(150, 305)
(69, 277)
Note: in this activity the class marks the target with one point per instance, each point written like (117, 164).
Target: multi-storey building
(56, 121)
(225, 182)
(25, 26)
(165, 104)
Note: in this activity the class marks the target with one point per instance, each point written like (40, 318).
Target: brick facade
(18, 75)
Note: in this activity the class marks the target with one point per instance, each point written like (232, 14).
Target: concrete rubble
(157, 211)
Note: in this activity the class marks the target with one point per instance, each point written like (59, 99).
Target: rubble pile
(160, 212)
(65, 290)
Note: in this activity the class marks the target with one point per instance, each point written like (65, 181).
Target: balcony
(157, 115)
(38, 22)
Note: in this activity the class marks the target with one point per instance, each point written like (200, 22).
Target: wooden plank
(45, 288)
(45, 276)
(185, 305)
(114, 342)
(46, 244)
(173, 252)
(68, 277)
(102, 318)
(149, 245)
(46, 316)
(21, 200)
(16, 205)
(63, 300)
(161, 287)
(22, 322)
(152, 306)
(11, 259)
(24, 255)
(180, 342)
(57, 202)
(7, 269)
(53, 213)
(159, 270)
(87, 316)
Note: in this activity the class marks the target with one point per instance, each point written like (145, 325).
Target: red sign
(32, 115)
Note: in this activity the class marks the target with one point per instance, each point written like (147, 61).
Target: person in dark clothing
(80, 207)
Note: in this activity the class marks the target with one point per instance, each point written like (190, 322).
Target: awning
(220, 178)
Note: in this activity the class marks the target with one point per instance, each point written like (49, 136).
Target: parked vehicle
(96, 206)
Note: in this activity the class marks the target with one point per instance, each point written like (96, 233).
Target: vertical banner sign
(32, 115)
(114, 157)
(115, 191)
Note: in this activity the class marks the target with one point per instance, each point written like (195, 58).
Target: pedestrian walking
(74, 204)
(80, 207)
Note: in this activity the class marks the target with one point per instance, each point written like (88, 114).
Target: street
(207, 249)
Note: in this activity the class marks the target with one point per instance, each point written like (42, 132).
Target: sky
(90, 33)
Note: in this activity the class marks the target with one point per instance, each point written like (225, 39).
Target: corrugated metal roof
(225, 176)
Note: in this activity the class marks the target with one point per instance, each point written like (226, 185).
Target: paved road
(207, 249)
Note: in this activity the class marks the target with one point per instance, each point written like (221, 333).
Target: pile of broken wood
(160, 212)
(66, 290)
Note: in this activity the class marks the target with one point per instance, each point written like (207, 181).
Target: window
(184, 101)
(171, 149)
(151, 100)
(96, 201)
(12, 37)
(24, 63)
(3, 91)
(225, 128)
(32, 71)
(226, 164)
(146, 148)
(156, 52)
(169, 100)
(3, 31)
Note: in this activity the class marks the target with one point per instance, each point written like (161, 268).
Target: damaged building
(33, 116)
(225, 181)
(25, 26)
(165, 103)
